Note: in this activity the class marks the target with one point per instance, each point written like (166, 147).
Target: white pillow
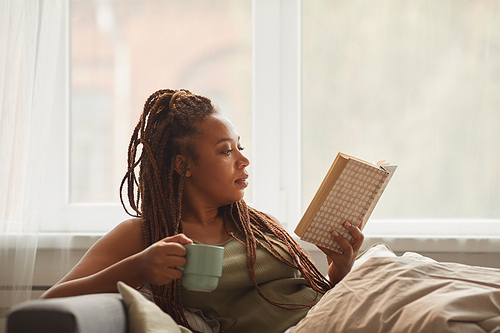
(377, 250)
(195, 317)
(145, 316)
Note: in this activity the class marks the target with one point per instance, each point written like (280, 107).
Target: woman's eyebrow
(226, 140)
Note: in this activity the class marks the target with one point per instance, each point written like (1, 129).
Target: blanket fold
(411, 293)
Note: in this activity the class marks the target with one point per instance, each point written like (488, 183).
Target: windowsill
(438, 244)
(51, 240)
(433, 235)
(73, 241)
(445, 228)
(452, 236)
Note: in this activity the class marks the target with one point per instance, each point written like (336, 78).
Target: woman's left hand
(340, 264)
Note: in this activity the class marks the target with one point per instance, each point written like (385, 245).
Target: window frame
(276, 69)
(68, 217)
(276, 178)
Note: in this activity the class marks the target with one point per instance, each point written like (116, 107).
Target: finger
(174, 261)
(343, 243)
(357, 236)
(172, 249)
(179, 238)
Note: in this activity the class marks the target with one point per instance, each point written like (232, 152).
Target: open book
(348, 193)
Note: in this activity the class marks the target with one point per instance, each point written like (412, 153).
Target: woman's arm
(121, 255)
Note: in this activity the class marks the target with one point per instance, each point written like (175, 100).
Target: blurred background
(123, 51)
(414, 83)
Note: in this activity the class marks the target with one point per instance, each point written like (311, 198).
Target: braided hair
(167, 128)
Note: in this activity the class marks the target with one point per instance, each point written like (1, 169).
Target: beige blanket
(410, 293)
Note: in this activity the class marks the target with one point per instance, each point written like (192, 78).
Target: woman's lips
(243, 181)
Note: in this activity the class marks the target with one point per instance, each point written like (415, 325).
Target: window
(414, 83)
(123, 51)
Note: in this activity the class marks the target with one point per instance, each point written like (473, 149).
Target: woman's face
(218, 176)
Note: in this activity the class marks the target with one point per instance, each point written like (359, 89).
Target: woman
(190, 188)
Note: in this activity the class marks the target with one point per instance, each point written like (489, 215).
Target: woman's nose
(243, 160)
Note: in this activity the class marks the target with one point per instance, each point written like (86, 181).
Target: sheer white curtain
(32, 34)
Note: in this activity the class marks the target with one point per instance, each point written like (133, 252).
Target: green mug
(203, 267)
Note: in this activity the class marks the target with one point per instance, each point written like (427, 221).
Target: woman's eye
(228, 152)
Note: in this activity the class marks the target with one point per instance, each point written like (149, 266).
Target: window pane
(122, 51)
(412, 82)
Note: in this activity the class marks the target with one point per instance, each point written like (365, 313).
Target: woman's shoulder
(131, 228)
(128, 234)
(133, 225)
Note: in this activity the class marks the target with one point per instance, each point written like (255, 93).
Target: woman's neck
(206, 225)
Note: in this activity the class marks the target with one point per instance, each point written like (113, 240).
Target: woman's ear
(179, 165)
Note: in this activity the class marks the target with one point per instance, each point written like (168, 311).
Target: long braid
(252, 223)
(167, 128)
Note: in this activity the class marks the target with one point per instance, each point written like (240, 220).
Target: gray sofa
(97, 313)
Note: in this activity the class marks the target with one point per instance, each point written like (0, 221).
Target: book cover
(349, 192)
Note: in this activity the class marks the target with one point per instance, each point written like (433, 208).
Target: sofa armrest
(104, 313)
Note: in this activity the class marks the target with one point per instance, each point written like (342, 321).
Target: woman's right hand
(158, 262)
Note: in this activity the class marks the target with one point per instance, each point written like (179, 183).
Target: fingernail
(348, 224)
(335, 233)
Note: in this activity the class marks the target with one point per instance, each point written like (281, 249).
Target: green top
(236, 304)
